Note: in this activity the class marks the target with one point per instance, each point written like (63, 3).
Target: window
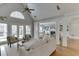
(40, 29)
(17, 14)
(21, 31)
(28, 29)
(46, 28)
(3, 30)
(14, 30)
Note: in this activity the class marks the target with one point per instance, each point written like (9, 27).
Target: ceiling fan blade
(32, 9)
(24, 5)
(26, 8)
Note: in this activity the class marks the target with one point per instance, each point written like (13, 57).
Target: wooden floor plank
(71, 50)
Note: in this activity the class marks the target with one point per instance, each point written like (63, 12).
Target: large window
(3, 30)
(21, 31)
(17, 14)
(14, 30)
(28, 29)
(47, 29)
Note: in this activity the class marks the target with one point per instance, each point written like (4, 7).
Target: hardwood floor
(71, 50)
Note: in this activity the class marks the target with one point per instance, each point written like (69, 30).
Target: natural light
(17, 14)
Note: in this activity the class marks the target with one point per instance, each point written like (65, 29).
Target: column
(17, 30)
(24, 29)
(36, 30)
(9, 33)
(64, 40)
(57, 34)
(32, 29)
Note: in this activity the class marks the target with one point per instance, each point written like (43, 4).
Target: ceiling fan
(26, 8)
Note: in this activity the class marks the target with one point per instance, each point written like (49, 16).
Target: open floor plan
(39, 29)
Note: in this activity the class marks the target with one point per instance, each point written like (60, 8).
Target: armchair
(11, 40)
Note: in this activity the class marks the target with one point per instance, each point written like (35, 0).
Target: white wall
(74, 27)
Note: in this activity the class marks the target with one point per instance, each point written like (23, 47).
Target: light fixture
(3, 17)
(29, 10)
(58, 7)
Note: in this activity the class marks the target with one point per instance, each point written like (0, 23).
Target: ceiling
(47, 10)
(44, 10)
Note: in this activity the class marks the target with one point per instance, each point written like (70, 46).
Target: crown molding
(60, 16)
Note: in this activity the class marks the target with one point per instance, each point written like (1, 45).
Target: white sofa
(41, 47)
(34, 48)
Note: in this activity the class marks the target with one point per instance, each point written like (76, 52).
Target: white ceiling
(44, 10)
(47, 10)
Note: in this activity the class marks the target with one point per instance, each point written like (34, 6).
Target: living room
(28, 29)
